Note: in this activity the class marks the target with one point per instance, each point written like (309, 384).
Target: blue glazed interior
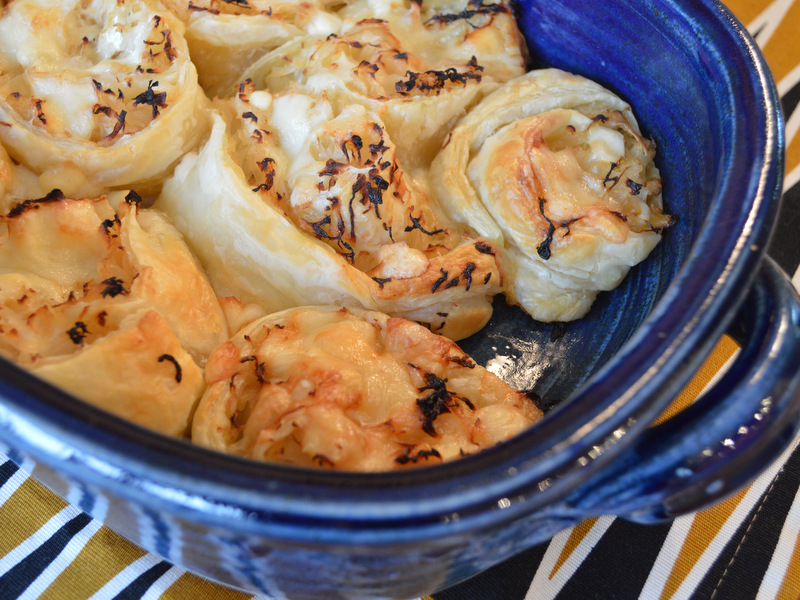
(699, 90)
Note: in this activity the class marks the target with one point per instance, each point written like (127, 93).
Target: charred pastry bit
(357, 143)
(442, 314)
(421, 454)
(474, 8)
(463, 361)
(170, 358)
(54, 195)
(566, 225)
(634, 187)
(439, 281)
(543, 249)
(484, 248)
(320, 459)
(133, 198)
(381, 281)
(108, 224)
(113, 287)
(439, 401)
(434, 404)
(249, 358)
(155, 99)
(487, 278)
(619, 215)
(452, 283)
(260, 376)
(332, 168)
(251, 116)
(193, 7)
(78, 332)
(264, 166)
(601, 118)
(608, 179)
(415, 224)
(101, 318)
(467, 273)
(434, 81)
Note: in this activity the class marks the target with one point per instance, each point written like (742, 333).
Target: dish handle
(730, 434)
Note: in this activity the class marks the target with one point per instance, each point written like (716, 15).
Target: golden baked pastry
(397, 65)
(97, 94)
(292, 203)
(352, 390)
(553, 168)
(225, 37)
(109, 305)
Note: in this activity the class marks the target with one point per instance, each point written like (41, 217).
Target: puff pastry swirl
(352, 390)
(224, 38)
(419, 91)
(317, 210)
(100, 94)
(553, 168)
(109, 305)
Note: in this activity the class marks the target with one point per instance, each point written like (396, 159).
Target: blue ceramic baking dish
(701, 90)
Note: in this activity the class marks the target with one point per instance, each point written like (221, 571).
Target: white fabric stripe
(544, 588)
(717, 544)
(791, 79)
(163, 583)
(769, 20)
(776, 572)
(62, 561)
(125, 577)
(665, 561)
(38, 538)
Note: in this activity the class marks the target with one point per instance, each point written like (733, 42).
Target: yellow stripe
(24, 513)
(747, 10)
(192, 586)
(705, 526)
(790, 588)
(721, 354)
(102, 558)
(576, 536)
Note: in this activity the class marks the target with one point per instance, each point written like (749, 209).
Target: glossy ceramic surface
(701, 90)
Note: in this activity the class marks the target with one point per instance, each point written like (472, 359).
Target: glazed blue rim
(527, 473)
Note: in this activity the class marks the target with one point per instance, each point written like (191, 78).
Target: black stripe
(785, 247)
(7, 470)
(19, 577)
(790, 100)
(739, 570)
(619, 564)
(509, 580)
(139, 586)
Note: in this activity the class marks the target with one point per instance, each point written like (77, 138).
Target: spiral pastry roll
(419, 96)
(317, 210)
(109, 305)
(102, 94)
(352, 390)
(226, 36)
(553, 168)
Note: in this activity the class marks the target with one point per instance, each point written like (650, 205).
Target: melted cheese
(352, 390)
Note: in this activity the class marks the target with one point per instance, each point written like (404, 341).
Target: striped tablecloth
(746, 547)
